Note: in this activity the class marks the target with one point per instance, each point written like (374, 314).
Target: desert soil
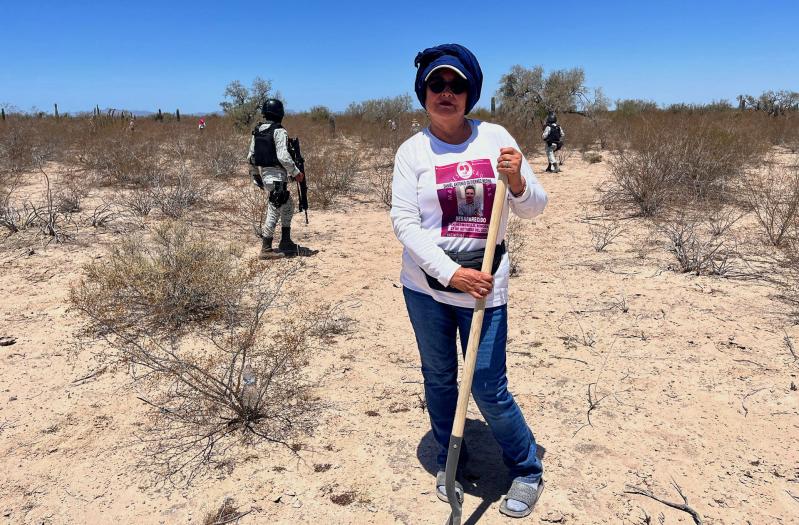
(690, 380)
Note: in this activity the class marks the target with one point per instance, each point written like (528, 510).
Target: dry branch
(679, 506)
(593, 402)
(789, 344)
(743, 401)
(593, 399)
(569, 359)
(604, 233)
(90, 375)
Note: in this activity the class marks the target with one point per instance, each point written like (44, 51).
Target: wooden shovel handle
(479, 308)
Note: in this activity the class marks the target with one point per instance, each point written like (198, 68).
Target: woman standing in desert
(443, 251)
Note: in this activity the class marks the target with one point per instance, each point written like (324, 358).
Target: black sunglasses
(456, 86)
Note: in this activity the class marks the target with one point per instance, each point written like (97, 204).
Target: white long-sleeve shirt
(274, 174)
(430, 177)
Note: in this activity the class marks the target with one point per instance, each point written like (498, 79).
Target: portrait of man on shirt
(470, 207)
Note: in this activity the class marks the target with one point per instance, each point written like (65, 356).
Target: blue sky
(174, 54)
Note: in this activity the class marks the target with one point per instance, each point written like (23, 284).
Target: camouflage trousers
(284, 213)
(551, 153)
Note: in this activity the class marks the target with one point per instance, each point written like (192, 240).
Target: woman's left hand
(509, 164)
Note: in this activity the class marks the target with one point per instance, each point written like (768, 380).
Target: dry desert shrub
(249, 208)
(246, 208)
(592, 157)
(123, 159)
(720, 220)
(226, 513)
(177, 280)
(697, 245)
(50, 215)
(605, 233)
(176, 195)
(382, 178)
(23, 141)
(71, 187)
(668, 164)
(54, 220)
(333, 170)
(139, 201)
(102, 215)
(189, 320)
(331, 320)
(16, 155)
(515, 241)
(563, 154)
(220, 157)
(243, 386)
(17, 217)
(774, 198)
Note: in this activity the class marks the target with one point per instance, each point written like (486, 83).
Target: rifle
(302, 187)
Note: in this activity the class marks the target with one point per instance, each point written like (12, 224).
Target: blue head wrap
(453, 56)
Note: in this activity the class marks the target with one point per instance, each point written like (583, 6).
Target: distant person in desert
(553, 136)
(132, 124)
(201, 124)
(470, 208)
(440, 293)
(271, 168)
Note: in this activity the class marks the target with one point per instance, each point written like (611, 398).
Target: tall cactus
(177, 114)
(493, 106)
(3, 113)
(160, 115)
(55, 110)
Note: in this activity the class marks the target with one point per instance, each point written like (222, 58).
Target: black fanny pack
(472, 260)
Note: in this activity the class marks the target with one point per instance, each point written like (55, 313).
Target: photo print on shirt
(466, 194)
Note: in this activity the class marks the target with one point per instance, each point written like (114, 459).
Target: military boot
(555, 167)
(291, 249)
(549, 167)
(266, 249)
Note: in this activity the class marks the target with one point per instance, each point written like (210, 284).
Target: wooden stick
(500, 196)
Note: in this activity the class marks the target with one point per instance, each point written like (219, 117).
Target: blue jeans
(435, 326)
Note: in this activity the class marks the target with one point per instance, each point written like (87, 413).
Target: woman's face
(445, 105)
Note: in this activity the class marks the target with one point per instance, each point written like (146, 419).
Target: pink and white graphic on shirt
(454, 178)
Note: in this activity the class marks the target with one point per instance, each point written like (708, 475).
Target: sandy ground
(689, 378)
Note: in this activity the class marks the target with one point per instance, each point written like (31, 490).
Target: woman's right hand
(474, 282)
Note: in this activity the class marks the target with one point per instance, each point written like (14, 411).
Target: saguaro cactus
(3, 113)
(177, 114)
(160, 115)
(55, 110)
(493, 106)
